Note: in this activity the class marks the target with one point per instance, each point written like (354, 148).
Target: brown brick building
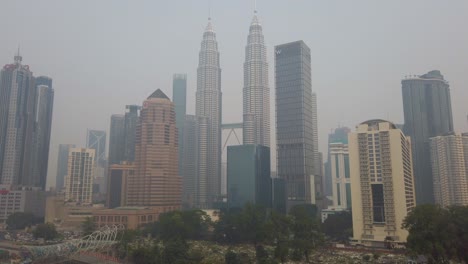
(156, 182)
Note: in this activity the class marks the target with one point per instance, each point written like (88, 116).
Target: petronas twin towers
(256, 108)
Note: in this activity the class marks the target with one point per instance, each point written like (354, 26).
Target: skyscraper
(79, 179)
(256, 93)
(156, 181)
(62, 165)
(248, 176)
(339, 165)
(208, 105)
(131, 122)
(117, 139)
(428, 113)
(449, 172)
(382, 182)
(318, 159)
(179, 97)
(42, 131)
(17, 121)
(339, 135)
(189, 162)
(294, 117)
(97, 140)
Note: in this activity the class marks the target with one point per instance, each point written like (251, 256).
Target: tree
(88, 226)
(305, 228)
(232, 257)
(281, 234)
(21, 220)
(46, 231)
(339, 226)
(146, 255)
(175, 251)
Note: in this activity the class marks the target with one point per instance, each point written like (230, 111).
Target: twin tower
(256, 108)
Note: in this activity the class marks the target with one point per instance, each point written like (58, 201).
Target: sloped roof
(158, 94)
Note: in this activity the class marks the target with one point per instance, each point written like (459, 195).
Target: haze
(103, 55)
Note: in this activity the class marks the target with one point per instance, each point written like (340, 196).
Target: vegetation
(439, 234)
(339, 227)
(88, 226)
(21, 220)
(46, 231)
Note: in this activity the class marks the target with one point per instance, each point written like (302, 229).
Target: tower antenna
(255, 6)
(209, 9)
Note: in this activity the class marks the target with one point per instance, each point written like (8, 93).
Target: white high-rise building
(449, 172)
(339, 166)
(256, 118)
(382, 183)
(208, 108)
(79, 181)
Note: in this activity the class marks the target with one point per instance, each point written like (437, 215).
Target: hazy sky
(105, 54)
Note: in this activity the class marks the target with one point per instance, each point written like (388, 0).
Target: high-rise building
(179, 97)
(339, 165)
(294, 117)
(79, 179)
(42, 131)
(189, 162)
(248, 176)
(208, 105)
(117, 183)
(318, 159)
(156, 182)
(279, 195)
(449, 172)
(62, 165)
(428, 113)
(117, 139)
(96, 140)
(339, 135)
(17, 122)
(131, 122)
(382, 182)
(256, 110)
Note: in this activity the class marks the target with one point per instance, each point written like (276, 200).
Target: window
(378, 207)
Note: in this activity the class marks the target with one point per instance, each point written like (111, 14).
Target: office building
(131, 121)
(62, 165)
(256, 93)
(339, 161)
(130, 218)
(208, 105)
(339, 135)
(382, 182)
(96, 139)
(189, 162)
(294, 117)
(449, 172)
(79, 180)
(14, 199)
(117, 183)
(179, 97)
(248, 176)
(117, 139)
(279, 195)
(156, 182)
(17, 122)
(428, 113)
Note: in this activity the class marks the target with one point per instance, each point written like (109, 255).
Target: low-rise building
(126, 217)
(15, 199)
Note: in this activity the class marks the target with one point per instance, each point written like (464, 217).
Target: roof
(377, 121)
(158, 94)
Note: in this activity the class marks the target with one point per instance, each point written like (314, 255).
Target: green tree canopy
(21, 220)
(88, 226)
(339, 226)
(46, 231)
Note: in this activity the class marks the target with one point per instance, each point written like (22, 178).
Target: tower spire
(209, 10)
(18, 57)
(255, 6)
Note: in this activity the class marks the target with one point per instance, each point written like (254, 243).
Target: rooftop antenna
(255, 6)
(18, 57)
(209, 9)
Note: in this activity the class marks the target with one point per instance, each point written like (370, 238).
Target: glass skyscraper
(179, 97)
(428, 113)
(117, 139)
(294, 122)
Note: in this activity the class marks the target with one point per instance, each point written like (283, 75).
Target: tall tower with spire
(208, 108)
(256, 93)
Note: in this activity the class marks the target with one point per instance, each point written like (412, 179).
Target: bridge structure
(232, 127)
(98, 241)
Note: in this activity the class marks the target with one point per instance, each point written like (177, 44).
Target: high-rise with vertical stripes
(208, 105)
(256, 93)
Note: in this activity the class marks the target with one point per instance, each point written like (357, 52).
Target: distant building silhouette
(117, 139)
(156, 182)
(96, 140)
(179, 97)
(428, 113)
(62, 165)
(131, 122)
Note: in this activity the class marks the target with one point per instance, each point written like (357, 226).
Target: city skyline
(324, 20)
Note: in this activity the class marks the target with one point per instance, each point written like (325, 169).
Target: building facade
(179, 97)
(117, 183)
(382, 182)
(15, 199)
(338, 135)
(294, 117)
(131, 121)
(79, 179)
(449, 172)
(339, 161)
(428, 113)
(17, 122)
(156, 182)
(117, 139)
(256, 93)
(248, 176)
(209, 105)
(96, 139)
(62, 165)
